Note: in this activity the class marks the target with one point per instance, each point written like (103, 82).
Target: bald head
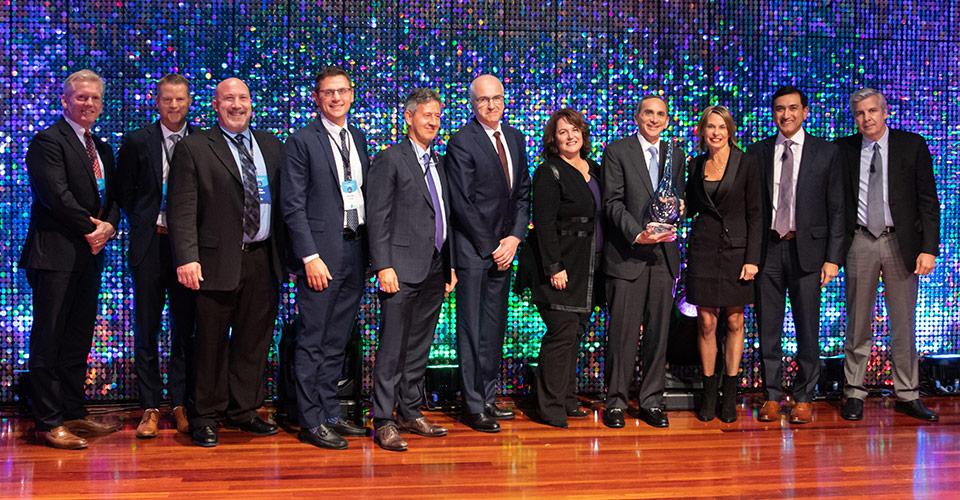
(486, 98)
(232, 103)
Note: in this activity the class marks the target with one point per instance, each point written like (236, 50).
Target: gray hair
(866, 93)
(418, 97)
(636, 114)
(84, 75)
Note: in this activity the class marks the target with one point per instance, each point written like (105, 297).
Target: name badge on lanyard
(263, 189)
(352, 198)
(102, 188)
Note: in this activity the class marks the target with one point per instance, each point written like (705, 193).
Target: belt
(775, 236)
(886, 230)
(160, 229)
(354, 234)
(256, 245)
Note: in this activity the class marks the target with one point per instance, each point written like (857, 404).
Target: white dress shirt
(166, 154)
(506, 147)
(778, 149)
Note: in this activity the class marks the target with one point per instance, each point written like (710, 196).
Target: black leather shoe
(204, 435)
(498, 413)
(654, 417)
(613, 418)
(852, 409)
(322, 436)
(257, 426)
(287, 423)
(578, 413)
(916, 410)
(481, 422)
(345, 428)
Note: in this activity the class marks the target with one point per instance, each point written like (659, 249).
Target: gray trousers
(868, 260)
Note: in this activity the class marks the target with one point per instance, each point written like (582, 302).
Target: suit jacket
(732, 220)
(65, 196)
(400, 215)
(312, 204)
(912, 194)
(140, 186)
(484, 210)
(627, 193)
(205, 206)
(818, 201)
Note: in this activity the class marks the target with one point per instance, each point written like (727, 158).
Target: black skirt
(710, 282)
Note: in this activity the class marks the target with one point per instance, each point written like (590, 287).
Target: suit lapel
(642, 169)
(218, 143)
(807, 161)
(894, 163)
(155, 152)
(416, 171)
(361, 150)
(767, 151)
(327, 149)
(729, 175)
(79, 149)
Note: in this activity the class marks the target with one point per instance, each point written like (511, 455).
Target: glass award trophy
(664, 210)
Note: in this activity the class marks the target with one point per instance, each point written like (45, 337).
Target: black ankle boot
(728, 402)
(708, 403)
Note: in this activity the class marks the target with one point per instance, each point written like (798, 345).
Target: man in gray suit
(641, 264)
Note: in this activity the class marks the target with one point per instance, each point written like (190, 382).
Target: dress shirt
(80, 131)
(506, 147)
(418, 151)
(866, 158)
(264, 231)
(778, 149)
(166, 153)
(647, 156)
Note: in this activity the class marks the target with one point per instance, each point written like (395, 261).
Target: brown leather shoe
(421, 426)
(180, 416)
(769, 412)
(61, 437)
(388, 438)
(148, 427)
(87, 427)
(802, 413)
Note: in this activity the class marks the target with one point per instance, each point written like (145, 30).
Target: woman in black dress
(559, 261)
(723, 197)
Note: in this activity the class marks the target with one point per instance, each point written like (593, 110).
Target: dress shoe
(852, 409)
(148, 426)
(580, 412)
(345, 428)
(61, 437)
(769, 412)
(802, 413)
(180, 417)
(286, 422)
(322, 436)
(915, 409)
(422, 427)
(256, 425)
(481, 422)
(498, 413)
(388, 437)
(613, 418)
(654, 417)
(205, 436)
(87, 427)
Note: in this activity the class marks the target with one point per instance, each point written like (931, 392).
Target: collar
(797, 138)
(167, 132)
(418, 151)
(883, 141)
(333, 128)
(246, 133)
(489, 130)
(645, 144)
(76, 127)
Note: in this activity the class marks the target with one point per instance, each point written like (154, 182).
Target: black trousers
(481, 322)
(327, 319)
(234, 331)
(64, 314)
(408, 321)
(154, 281)
(557, 363)
(780, 275)
(645, 301)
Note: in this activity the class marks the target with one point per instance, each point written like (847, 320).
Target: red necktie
(502, 153)
(92, 154)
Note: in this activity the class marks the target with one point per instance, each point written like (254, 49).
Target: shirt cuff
(308, 258)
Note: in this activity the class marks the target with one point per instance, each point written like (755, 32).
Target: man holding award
(643, 184)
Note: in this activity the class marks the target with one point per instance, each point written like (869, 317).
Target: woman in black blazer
(723, 252)
(559, 261)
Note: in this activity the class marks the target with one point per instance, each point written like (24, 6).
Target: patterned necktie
(352, 215)
(502, 153)
(876, 222)
(92, 154)
(251, 197)
(785, 195)
(435, 200)
(654, 166)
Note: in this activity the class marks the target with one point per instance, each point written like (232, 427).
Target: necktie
(352, 216)
(251, 197)
(435, 200)
(875, 217)
(502, 153)
(92, 154)
(654, 166)
(168, 152)
(785, 195)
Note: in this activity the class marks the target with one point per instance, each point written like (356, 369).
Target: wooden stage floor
(886, 455)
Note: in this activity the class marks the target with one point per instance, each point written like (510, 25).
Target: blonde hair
(727, 117)
(84, 75)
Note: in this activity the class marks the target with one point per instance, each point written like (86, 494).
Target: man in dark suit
(803, 216)
(225, 245)
(72, 217)
(411, 252)
(893, 229)
(144, 166)
(323, 184)
(641, 264)
(490, 201)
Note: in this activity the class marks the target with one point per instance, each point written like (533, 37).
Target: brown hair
(330, 72)
(723, 113)
(573, 117)
(172, 79)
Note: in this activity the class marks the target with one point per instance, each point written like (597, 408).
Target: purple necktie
(785, 199)
(435, 200)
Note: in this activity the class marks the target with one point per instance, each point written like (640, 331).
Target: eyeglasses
(330, 92)
(483, 101)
